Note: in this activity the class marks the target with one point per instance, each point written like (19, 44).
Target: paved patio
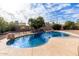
(61, 46)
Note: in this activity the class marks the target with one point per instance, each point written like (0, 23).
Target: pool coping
(73, 34)
(48, 31)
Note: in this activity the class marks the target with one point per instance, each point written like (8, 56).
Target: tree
(69, 25)
(56, 26)
(31, 21)
(12, 26)
(77, 23)
(22, 27)
(36, 23)
(3, 25)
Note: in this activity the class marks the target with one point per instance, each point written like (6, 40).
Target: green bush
(3, 25)
(69, 25)
(56, 26)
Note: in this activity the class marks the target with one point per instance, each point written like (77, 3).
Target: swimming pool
(34, 40)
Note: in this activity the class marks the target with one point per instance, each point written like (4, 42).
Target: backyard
(40, 31)
(55, 46)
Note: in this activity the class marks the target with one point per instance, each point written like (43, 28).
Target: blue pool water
(34, 40)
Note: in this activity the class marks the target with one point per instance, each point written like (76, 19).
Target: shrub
(56, 26)
(69, 25)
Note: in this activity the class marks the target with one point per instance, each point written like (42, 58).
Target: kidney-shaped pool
(34, 40)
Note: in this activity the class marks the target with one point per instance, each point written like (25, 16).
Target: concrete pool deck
(60, 46)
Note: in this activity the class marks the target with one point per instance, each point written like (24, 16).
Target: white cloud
(57, 7)
(67, 11)
(22, 11)
(11, 5)
(77, 5)
(76, 15)
(63, 5)
(12, 13)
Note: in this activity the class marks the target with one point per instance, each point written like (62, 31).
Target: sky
(13, 10)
